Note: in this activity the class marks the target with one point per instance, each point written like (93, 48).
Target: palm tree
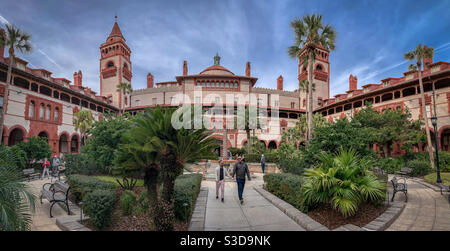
(82, 121)
(16, 202)
(14, 39)
(418, 55)
(309, 33)
(125, 89)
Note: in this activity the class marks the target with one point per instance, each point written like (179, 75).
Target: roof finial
(115, 17)
(217, 59)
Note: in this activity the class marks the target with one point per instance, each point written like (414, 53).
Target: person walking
(263, 162)
(55, 165)
(240, 170)
(46, 166)
(221, 172)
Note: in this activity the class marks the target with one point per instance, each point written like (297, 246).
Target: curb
(198, 216)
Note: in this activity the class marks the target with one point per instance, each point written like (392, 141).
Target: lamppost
(436, 144)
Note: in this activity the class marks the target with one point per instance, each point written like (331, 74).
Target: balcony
(127, 74)
(109, 72)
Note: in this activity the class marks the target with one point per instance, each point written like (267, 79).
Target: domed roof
(216, 70)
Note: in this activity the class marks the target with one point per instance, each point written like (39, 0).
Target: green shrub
(142, 203)
(80, 185)
(98, 205)
(286, 186)
(390, 165)
(127, 202)
(76, 163)
(419, 167)
(256, 158)
(187, 188)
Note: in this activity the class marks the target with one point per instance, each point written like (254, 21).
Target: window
(137, 102)
(110, 64)
(41, 111)
(227, 85)
(154, 101)
(47, 112)
(173, 100)
(207, 83)
(126, 100)
(428, 107)
(277, 103)
(217, 100)
(31, 109)
(221, 84)
(56, 94)
(56, 116)
(197, 100)
(292, 104)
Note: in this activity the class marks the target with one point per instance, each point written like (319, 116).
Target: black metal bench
(30, 174)
(404, 172)
(56, 192)
(445, 189)
(399, 187)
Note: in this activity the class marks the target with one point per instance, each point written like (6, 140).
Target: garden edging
(198, 215)
(71, 222)
(379, 224)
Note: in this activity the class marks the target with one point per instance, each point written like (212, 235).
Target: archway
(16, 136)
(272, 145)
(445, 140)
(63, 144)
(43, 135)
(74, 144)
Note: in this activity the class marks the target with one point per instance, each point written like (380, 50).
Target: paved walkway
(41, 218)
(425, 210)
(256, 214)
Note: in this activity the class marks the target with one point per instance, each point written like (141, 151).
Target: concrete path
(256, 214)
(41, 217)
(425, 210)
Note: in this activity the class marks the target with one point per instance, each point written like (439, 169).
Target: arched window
(56, 116)
(110, 64)
(207, 83)
(47, 112)
(41, 111)
(227, 85)
(31, 109)
(319, 67)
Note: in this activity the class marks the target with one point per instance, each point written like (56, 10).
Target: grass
(431, 178)
(139, 183)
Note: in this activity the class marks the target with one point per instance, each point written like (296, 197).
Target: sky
(372, 36)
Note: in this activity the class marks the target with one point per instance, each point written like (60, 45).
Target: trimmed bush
(419, 167)
(80, 185)
(285, 186)
(187, 188)
(127, 202)
(98, 205)
(79, 164)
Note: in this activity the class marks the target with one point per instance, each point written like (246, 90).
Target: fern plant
(344, 180)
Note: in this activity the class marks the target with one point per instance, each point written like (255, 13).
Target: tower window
(110, 64)
(319, 67)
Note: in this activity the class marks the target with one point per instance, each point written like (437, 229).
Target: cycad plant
(16, 202)
(342, 180)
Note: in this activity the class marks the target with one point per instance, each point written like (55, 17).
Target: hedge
(256, 158)
(99, 205)
(80, 185)
(285, 186)
(187, 188)
(76, 163)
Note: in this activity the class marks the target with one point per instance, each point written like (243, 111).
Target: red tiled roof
(216, 68)
(115, 32)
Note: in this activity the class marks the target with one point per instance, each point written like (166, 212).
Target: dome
(216, 70)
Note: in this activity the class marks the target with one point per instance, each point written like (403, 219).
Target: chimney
(185, 69)
(150, 80)
(280, 83)
(80, 78)
(2, 49)
(352, 83)
(247, 69)
(77, 78)
(427, 61)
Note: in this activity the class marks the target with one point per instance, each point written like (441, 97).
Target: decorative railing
(109, 72)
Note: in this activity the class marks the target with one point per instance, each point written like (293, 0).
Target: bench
(30, 174)
(56, 192)
(399, 187)
(404, 172)
(444, 188)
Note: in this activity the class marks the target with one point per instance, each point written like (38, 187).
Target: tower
(321, 75)
(115, 66)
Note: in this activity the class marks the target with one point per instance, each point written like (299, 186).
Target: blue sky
(372, 36)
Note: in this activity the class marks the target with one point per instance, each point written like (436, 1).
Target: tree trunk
(6, 94)
(310, 94)
(151, 181)
(248, 141)
(224, 144)
(425, 117)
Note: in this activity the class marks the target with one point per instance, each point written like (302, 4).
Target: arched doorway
(63, 144)
(74, 144)
(16, 136)
(445, 140)
(218, 149)
(272, 145)
(43, 135)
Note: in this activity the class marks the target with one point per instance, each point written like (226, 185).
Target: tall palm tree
(125, 89)
(16, 202)
(417, 55)
(82, 121)
(14, 39)
(309, 33)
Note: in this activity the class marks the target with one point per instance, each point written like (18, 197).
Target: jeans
(262, 166)
(46, 170)
(240, 185)
(220, 184)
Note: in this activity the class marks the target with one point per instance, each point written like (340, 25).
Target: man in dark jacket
(240, 170)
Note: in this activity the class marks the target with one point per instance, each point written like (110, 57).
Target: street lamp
(438, 173)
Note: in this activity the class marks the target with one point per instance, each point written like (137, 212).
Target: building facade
(40, 105)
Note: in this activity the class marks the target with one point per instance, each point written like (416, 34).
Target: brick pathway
(256, 214)
(425, 210)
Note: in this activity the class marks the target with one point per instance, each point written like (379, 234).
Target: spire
(115, 32)
(217, 59)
